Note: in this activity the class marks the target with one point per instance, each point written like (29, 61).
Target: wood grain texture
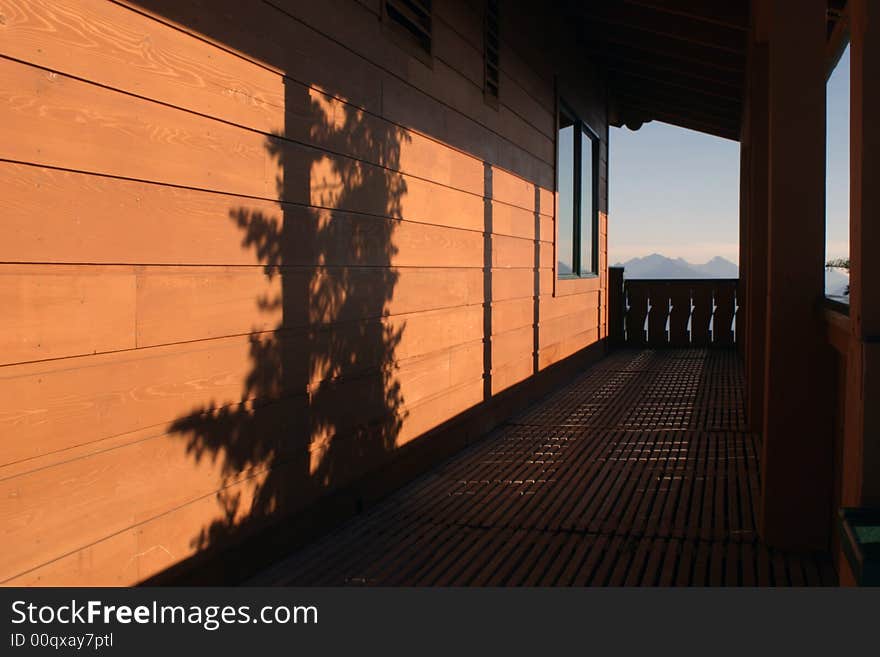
(56, 406)
(52, 312)
(182, 149)
(139, 482)
(162, 222)
(124, 50)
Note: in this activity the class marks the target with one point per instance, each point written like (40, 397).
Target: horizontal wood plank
(65, 311)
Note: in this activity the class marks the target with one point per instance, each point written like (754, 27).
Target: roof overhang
(678, 61)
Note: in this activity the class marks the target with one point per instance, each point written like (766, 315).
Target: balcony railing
(673, 312)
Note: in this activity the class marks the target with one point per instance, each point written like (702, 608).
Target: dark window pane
(588, 209)
(565, 210)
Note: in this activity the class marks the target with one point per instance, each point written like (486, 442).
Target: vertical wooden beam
(487, 280)
(746, 215)
(756, 316)
(743, 287)
(861, 459)
(536, 288)
(615, 305)
(796, 464)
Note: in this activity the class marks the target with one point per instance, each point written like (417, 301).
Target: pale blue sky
(676, 192)
(837, 162)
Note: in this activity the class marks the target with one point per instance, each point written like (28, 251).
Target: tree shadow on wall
(321, 404)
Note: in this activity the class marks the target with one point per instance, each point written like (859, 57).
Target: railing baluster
(712, 318)
(690, 322)
(735, 311)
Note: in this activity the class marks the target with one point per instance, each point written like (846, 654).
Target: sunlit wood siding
(251, 251)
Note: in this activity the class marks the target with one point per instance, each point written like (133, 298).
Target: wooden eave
(678, 61)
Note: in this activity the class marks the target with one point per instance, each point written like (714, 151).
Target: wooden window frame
(581, 128)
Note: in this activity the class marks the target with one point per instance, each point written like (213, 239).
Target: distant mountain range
(659, 266)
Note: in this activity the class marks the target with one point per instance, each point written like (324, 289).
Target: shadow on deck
(638, 472)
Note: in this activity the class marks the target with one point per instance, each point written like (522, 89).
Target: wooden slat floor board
(640, 472)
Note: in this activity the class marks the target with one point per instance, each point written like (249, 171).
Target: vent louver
(491, 49)
(413, 17)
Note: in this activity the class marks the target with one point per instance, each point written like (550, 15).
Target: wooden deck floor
(639, 472)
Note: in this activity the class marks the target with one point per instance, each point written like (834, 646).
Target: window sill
(566, 285)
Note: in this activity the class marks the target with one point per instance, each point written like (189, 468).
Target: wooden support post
(743, 287)
(796, 463)
(615, 305)
(861, 459)
(756, 254)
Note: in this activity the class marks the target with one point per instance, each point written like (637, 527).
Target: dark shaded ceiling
(678, 61)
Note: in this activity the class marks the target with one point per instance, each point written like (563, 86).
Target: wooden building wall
(250, 253)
